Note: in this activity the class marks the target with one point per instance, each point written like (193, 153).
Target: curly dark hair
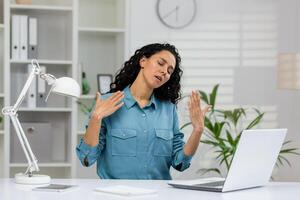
(170, 91)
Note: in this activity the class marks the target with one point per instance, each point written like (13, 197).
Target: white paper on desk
(125, 190)
(196, 181)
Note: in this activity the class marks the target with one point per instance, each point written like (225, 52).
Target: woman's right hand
(104, 108)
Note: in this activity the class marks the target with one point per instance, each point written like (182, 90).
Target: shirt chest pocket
(123, 142)
(163, 145)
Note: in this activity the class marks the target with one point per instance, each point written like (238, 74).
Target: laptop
(251, 166)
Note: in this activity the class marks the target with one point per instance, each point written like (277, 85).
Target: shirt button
(145, 131)
(144, 115)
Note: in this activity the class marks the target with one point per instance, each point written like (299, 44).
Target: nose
(164, 70)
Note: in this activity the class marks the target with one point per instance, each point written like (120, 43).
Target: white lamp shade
(66, 86)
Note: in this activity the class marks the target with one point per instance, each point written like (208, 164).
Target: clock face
(176, 13)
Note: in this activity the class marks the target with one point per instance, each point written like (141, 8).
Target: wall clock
(176, 14)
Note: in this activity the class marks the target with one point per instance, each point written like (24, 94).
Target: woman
(139, 136)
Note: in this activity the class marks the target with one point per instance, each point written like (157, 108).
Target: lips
(158, 77)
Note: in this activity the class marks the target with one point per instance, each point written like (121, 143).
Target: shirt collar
(130, 101)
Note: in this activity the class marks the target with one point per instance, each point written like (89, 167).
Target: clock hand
(170, 12)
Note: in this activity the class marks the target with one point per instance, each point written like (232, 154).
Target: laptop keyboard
(211, 184)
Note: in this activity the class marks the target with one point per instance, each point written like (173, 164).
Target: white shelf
(42, 164)
(100, 30)
(80, 132)
(46, 109)
(40, 7)
(88, 96)
(88, 32)
(43, 61)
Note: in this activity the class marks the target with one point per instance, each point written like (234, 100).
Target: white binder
(31, 94)
(15, 39)
(41, 91)
(24, 37)
(32, 43)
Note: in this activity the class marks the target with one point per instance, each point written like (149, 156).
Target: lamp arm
(35, 71)
(31, 159)
(12, 112)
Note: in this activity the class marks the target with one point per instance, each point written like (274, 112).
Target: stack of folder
(24, 46)
(23, 37)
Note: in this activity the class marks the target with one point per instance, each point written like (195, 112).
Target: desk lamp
(63, 86)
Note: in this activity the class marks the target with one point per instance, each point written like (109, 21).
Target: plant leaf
(229, 138)
(208, 124)
(286, 142)
(290, 151)
(280, 161)
(206, 170)
(203, 96)
(210, 142)
(286, 160)
(185, 125)
(255, 121)
(213, 96)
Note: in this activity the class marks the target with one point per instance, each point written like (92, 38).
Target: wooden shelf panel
(40, 7)
(42, 164)
(43, 61)
(45, 109)
(101, 30)
(88, 96)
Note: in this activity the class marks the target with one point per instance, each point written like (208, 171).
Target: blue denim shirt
(137, 143)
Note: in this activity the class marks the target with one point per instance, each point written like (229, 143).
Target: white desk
(9, 190)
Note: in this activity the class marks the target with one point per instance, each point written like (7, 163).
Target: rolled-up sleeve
(88, 155)
(180, 161)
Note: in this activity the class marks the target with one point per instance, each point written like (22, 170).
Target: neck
(140, 90)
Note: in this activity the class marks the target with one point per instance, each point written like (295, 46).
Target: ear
(142, 61)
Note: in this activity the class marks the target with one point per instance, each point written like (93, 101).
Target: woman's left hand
(197, 114)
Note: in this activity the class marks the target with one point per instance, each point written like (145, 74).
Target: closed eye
(160, 63)
(170, 70)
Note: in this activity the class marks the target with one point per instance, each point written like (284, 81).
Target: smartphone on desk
(55, 188)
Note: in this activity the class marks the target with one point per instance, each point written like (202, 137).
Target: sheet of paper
(125, 190)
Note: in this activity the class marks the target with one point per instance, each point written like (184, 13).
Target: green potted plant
(223, 129)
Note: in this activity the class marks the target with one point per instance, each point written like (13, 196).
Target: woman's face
(157, 69)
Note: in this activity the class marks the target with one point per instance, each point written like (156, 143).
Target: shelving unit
(70, 32)
(57, 51)
(43, 61)
(88, 96)
(45, 109)
(42, 165)
(102, 32)
(81, 132)
(40, 7)
(2, 83)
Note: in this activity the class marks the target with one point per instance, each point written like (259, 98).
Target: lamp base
(35, 179)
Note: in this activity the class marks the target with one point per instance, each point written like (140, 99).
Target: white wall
(234, 43)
